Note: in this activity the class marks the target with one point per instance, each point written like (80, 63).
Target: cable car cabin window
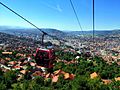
(39, 53)
(52, 54)
(45, 55)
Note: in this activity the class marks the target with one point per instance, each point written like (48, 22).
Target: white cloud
(57, 7)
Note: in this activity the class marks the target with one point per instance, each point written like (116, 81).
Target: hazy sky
(58, 14)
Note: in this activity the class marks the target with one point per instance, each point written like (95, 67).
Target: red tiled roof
(117, 79)
(105, 81)
(23, 71)
(12, 62)
(7, 53)
(93, 75)
(55, 78)
(57, 72)
(37, 73)
(66, 76)
(32, 64)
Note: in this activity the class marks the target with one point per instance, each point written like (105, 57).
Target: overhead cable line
(76, 16)
(93, 22)
(21, 16)
(54, 37)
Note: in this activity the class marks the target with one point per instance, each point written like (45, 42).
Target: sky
(58, 14)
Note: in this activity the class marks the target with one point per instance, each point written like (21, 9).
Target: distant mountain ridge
(11, 30)
(55, 32)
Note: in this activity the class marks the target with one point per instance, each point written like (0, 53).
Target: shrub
(3, 86)
(9, 78)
